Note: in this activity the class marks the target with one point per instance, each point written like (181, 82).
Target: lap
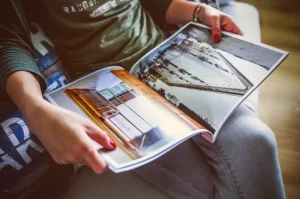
(242, 133)
(87, 185)
(244, 158)
(181, 173)
(193, 169)
(184, 172)
(175, 175)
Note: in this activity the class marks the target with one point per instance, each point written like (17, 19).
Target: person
(91, 34)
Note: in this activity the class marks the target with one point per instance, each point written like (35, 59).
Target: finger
(85, 164)
(56, 159)
(100, 137)
(63, 161)
(215, 27)
(230, 25)
(94, 160)
(67, 158)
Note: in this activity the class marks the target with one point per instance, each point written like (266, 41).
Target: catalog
(186, 86)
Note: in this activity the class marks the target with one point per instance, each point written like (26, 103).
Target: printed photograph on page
(139, 120)
(202, 78)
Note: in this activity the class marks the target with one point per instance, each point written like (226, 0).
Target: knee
(248, 133)
(256, 136)
(262, 138)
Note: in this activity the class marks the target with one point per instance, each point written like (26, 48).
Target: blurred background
(279, 104)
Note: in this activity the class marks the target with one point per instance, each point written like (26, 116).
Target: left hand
(218, 21)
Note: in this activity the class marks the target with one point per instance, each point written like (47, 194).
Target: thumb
(229, 24)
(101, 137)
(216, 28)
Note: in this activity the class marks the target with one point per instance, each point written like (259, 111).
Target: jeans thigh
(244, 158)
(181, 173)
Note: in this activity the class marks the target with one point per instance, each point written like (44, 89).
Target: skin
(68, 137)
(208, 16)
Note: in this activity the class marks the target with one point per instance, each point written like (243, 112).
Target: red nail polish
(112, 143)
(216, 37)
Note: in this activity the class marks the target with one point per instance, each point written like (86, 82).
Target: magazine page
(207, 80)
(142, 123)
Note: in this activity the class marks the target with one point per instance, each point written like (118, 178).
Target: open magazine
(186, 86)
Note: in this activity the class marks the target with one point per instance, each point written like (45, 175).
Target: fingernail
(216, 37)
(112, 143)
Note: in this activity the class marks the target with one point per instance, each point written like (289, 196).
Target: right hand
(218, 21)
(67, 136)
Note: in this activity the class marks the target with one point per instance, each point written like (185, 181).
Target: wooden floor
(280, 94)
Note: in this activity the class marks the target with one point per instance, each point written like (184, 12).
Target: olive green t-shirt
(92, 34)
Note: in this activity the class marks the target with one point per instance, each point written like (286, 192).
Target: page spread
(188, 85)
(140, 121)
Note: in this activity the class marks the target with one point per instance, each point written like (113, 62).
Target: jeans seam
(159, 165)
(227, 164)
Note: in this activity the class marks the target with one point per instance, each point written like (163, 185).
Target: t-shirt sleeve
(16, 51)
(14, 57)
(157, 9)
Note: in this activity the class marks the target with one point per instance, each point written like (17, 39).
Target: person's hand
(218, 21)
(68, 137)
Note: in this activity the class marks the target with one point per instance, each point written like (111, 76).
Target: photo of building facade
(196, 65)
(110, 107)
(192, 71)
(190, 64)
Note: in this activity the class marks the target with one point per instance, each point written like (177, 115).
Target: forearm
(180, 11)
(69, 138)
(25, 91)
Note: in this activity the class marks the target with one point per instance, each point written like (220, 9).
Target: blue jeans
(242, 163)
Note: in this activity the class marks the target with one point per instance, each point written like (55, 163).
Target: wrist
(25, 91)
(201, 14)
(197, 12)
(185, 8)
(33, 107)
(37, 115)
